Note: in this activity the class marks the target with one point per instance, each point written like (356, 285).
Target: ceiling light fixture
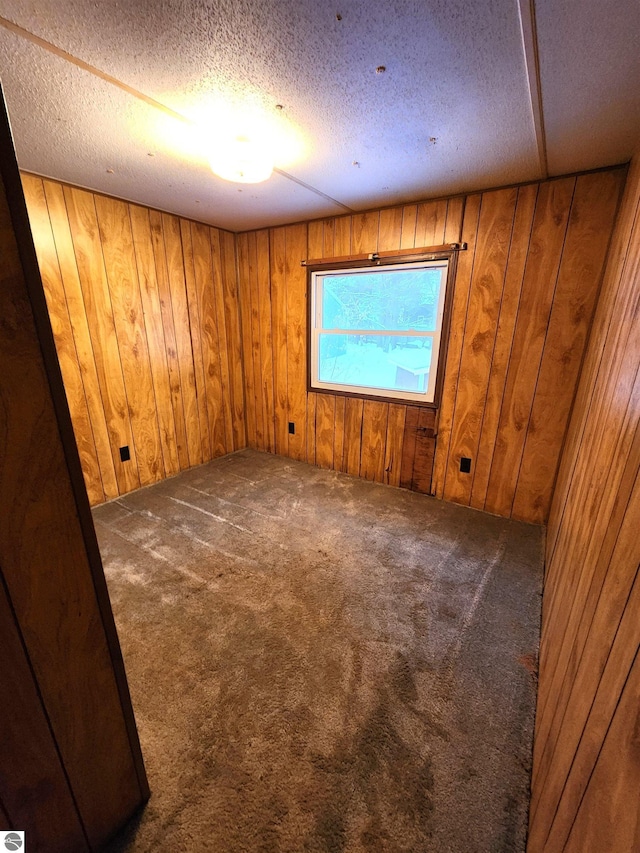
(242, 159)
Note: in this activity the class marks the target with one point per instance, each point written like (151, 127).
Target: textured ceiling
(462, 103)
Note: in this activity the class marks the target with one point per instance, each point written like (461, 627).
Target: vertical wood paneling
(324, 429)
(422, 475)
(143, 245)
(193, 310)
(523, 221)
(36, 792)
(316, 248)
(390, 229)
(231, 304)
(338, 435)
(536, 299)
(460, 301)
(586, 762)
(455, 213)
(145, 308)
(62, 331)
(266, 354)
(97, 305)
(493, 240)
(164, 291)
(609, 809)
(342, 236)
(254, 337)
(394, 444)
(279, 330)
(522, 304)
(408, 232)
(213, 340)
(81, 336)
(122, 278)
(352, 436)
(364, 232)
(595, 201)
(431, 220)
(184, 347)
(57, 626)
(375, 417)
(247, 338)
(296, 285)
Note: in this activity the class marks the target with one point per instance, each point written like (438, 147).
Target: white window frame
(427, 397)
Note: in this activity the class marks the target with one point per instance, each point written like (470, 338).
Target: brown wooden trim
(386, 257)
(20, 220)
(374, 397)
(446, 326)
(451, 255)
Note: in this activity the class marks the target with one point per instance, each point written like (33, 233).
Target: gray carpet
(319, 663)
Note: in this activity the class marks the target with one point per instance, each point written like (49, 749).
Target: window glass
(377, 331)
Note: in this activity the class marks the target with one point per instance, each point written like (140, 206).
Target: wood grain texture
(595, 201)
(538, 288)
(164, 290)
(145, 311)
(493, 239)
(247, 338)
(56, 205)
(35, 791)
(522, 306)
(523, 300)
(375, 416)
(184, 346)
(265, 339)
(194, 326)
(150, 296)
(277, 260)
(47, 574)
(85, 233)
(122, 278)
(296, 286)
(518, 250)
(609, 809)
(586, 761)
(216, 417)
(461, 291)
(62, 330)
(231, 304)
(394, 443)
(422, 475)
(325, 418)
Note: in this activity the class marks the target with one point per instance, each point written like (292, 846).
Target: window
(376, 330)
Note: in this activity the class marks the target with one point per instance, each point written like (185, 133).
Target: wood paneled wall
(145, 309)
(364, 438)
(524, 297)
(71, 772)
(145, 316)
(586, 774)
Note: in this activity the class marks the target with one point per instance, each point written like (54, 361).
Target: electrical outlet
(125, 454)
(465, 465)
(292, 428)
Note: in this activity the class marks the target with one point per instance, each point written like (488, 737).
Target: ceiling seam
(85, 66)
(16, 29)
(313, 189)
(529, 33)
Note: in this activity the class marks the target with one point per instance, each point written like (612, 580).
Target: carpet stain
(530, 663)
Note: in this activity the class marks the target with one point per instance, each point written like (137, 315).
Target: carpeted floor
(319, 663)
